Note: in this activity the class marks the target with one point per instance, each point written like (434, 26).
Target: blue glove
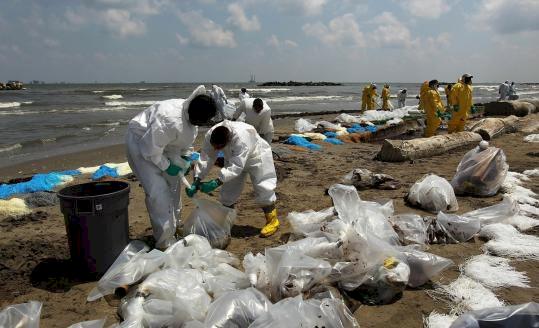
(207, 187)
(173, 170)
(193, 189)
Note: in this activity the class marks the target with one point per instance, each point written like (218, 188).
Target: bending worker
(243, 94)
(257, 113)
(245, 153)
(461, 94)
(159, 143)
(432, 104)
(385, 98)
(220, 99)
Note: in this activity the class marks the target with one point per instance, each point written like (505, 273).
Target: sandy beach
(34, 249)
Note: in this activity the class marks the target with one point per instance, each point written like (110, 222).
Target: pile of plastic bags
(434, 194)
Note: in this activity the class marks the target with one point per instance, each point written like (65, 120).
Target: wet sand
(33, 250)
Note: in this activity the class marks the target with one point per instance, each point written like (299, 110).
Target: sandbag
(405, 150)
(492, 127)
(211, 220)
(481, 171)
(506, 108)
(434, 194)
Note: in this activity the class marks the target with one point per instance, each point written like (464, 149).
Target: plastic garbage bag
(532, 138)
(309, 221)
(347, 118)
(25, 315)
(302, 142)
(365, 179)
(105, 171)
(302, 125)
(89, 324)
(330, 126)
(523, 315)
(423, 265)
(294, 312)
(320, 247)
(458, 228)
(211, 220)
(257, 271)
(224, 278)
(434, 194)
(133, 264)
(333, 141)
(229, 110)
(388, 282)
(237, 309)
(39, 182)
(481, 171)
(411, 228)
(495, 213)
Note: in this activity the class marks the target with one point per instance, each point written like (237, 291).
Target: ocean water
(52, 119)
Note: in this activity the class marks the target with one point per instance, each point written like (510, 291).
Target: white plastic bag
(481, 172)
(293, 312)
(211, 220)
(309, 221)
(229, 110)
(25, 315)
(495, 213)
(89, 324)
(133, 264)
(302, 125)
(411, 228)
(424, 266)
(523, 315)
(237, 309)
(458, 228)
(433, 193)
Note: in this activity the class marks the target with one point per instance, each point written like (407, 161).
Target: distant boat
(252, 80)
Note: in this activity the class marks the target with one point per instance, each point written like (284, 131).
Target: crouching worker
(245, 153)
(159, 143)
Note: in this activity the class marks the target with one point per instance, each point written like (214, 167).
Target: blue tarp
(334, 141)
(330, 134)
(105, 171)
(39, 182)
(302, 142)
(356, 128)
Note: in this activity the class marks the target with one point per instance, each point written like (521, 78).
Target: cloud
(507, 16)
(342, 30)
(75, 18)
(304, 7)
(273, 41)
(51, 43)
(122, 24)
(239, 19)
(181, 39)
(142, 7)
(206, 32)
(426, 8)
(391, 32)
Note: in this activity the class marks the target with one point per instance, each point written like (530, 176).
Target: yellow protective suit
(431, 104)
(422, 92)
(461, 95)
(448, 95)
(385, 98)
(372, 95)
(365, 97)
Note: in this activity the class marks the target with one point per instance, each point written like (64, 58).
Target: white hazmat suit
(262, 121)
(401, 99)
(245, 154)
(219, 96)
(157, 136)
(503, 90)
(243, 95)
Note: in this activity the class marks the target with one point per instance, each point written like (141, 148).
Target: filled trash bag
(423, 265)
(309, 221)
(523, 315)
(132, 265)
(89, 324)
(212, 220)
(302, 125)
(481, 171)
(294, 312)
(386, 284)
(433, 193)
(411, 228)
(237, 309)
(333, 141)
(25, 315)
(365, 179)
(458, 228)
(495, 213)
(302, 142)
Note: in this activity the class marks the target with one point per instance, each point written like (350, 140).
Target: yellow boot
(272, 224)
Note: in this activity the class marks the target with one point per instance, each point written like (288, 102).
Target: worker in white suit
(219, 96)
(245, 153)
(159, 144)
(243, 94)
(256, 112)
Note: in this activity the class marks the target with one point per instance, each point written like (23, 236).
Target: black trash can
(97, 223)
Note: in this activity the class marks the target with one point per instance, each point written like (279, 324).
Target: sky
(277, 40)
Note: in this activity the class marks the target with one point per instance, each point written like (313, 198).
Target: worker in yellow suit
(365, 97)
(461, 96)
(432, 104)
(385, 97)
(448, 89)
(372, 95)
(422, 92)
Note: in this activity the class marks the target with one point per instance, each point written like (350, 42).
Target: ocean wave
(142, 89)
(306, 98)
(486, 87)
(10, 104)
(130, 103)
(18, 112)
(26, 102)
(108, 124)
(264, 90)
(98, 91)
(531, 92)
(10, 148)
(112, 97)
